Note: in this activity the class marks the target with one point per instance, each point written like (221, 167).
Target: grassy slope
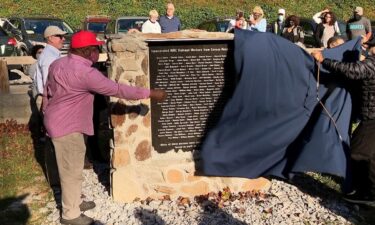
(191, 11)
(24, 189)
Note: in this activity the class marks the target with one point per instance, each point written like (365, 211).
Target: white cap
(53, 30)
(281, 11)
(359, 10)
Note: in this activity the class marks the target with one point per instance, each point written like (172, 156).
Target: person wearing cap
(279, 24)
(170, 22)
(55, 38)
(359, 26)
(256, 21)
(363, 139)
(68, 110)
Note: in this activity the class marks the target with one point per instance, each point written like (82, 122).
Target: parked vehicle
(96, 24)
(31, 30)
(215, 25)
(124, 24)
(8, 44)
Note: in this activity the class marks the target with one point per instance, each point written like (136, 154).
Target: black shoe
(359, 198)
(81, 220)
(84, 206)
(88, 165)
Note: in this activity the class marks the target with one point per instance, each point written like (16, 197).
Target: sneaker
(81, 220)
(359, 198)
(87, 205)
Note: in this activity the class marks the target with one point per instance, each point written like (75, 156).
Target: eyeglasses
(59, 36)
(327, 17)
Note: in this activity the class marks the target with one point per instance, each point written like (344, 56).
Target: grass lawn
(24, 189)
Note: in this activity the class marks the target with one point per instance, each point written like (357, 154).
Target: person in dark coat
(363, 139)
(293, 31)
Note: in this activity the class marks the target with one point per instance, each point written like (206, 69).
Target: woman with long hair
(293, 32)
(326, 29)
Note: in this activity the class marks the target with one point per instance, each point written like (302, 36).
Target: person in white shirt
(256, 21)
(152, 25)
(55, 39)
(318, 18)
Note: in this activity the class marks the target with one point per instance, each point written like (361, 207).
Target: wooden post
(4, 77)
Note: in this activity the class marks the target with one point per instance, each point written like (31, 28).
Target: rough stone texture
(147, 121)
(143, 151)
(140, 171)
(133, 128)
(120, 158)
(141, 81)
(257, 184)
(125, 187)
(165, 190)
(174, 176)
(199, 188)
(117, 120)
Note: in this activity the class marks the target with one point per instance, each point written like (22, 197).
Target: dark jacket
(295, 36)
(364, 71)
(278, 27)
(319, 33)
(169, 25)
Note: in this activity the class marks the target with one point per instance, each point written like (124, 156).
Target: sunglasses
(59, 36)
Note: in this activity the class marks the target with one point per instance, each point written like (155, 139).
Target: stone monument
(155, 146)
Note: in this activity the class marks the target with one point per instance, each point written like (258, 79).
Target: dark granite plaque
(198, 77)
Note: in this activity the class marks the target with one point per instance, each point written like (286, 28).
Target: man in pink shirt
(68, 110)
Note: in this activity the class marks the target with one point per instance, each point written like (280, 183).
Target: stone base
(172, 174)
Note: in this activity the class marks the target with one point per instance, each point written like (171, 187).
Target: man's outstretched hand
(318, 56)
(158, 95)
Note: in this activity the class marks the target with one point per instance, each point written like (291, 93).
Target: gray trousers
(70, 155)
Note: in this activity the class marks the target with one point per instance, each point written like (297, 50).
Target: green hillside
(191, 12)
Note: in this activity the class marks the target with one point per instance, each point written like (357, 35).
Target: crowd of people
(289, 26)
(64, 94)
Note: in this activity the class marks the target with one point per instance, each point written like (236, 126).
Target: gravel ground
(305, 202)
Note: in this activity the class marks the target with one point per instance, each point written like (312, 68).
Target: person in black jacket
(293, 31)
(363, 138)
(326, 29)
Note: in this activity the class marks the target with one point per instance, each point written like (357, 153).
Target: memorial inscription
(199, 78)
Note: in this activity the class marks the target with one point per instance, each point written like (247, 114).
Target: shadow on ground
(13, 211)
(211, 214)
(331, 198)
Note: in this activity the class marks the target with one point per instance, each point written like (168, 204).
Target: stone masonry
(138, 171)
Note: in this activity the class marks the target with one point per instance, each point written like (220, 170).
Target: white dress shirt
(48, 55)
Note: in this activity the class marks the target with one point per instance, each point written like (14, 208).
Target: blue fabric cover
(273, 124)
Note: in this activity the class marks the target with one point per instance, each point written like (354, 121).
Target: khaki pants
(70, 154)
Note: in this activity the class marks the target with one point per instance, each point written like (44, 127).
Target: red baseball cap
(84, 38)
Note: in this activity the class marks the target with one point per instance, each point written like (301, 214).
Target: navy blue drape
(273, 124)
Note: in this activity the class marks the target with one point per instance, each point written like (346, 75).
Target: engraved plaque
(199, 78)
